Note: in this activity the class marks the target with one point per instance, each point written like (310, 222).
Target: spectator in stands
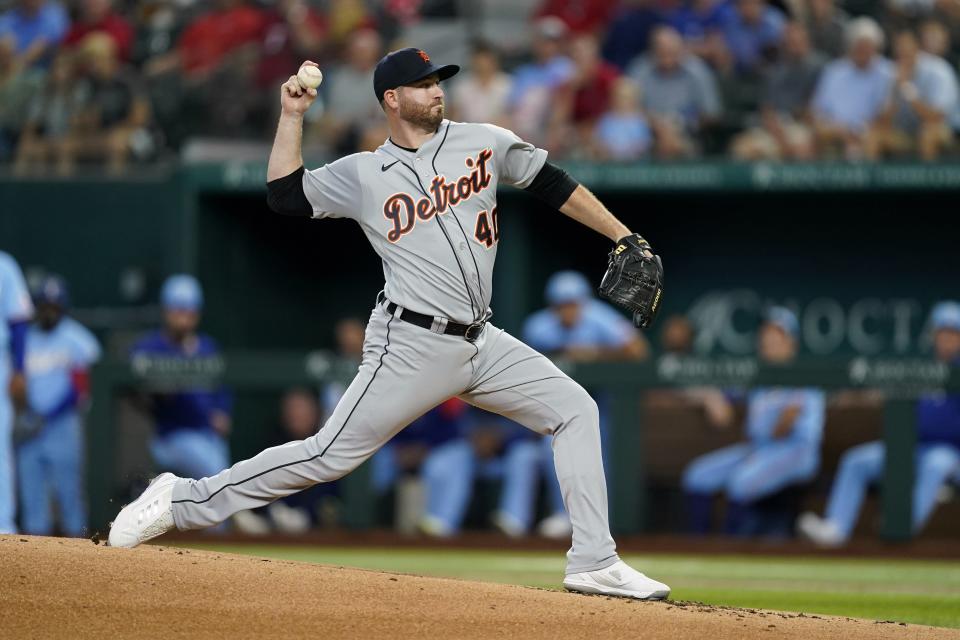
(481, 95)
(629, 32)
(190, 424)
(784, 427)
(348, 18)
(827, 26)
(752, 30)
(695, 21)
(210, 39)
(739, 91)
(923, 98)
(37, 27)
(935, 40)
(293, 31)
(98, 16)
(203, 85)
(679, 93)
(114, 109)
(158, 25)
(937, 455)
(623, 133)
(580, 16)
(783, 132)
(581, 101)
(157, 28)
(50, 442)
(18, 87)
(49, 121)
(349, 111)
(939, 32)
(852, 92)
(534, 84)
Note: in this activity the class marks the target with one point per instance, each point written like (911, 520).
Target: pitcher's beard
(427, 118)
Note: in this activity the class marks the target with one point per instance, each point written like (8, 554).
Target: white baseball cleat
(820, 531)
(148, 516)
(617, 580)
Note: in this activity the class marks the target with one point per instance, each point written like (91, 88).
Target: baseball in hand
(309, 76)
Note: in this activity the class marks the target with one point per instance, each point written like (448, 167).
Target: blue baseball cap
(181, 292)
(52, 290)
(783, 318)
(567, 286)
(946, 315)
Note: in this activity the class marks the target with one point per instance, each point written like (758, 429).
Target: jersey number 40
(484, 234)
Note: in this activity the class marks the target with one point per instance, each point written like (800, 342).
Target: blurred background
(793, 162)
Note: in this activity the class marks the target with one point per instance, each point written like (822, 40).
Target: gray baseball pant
(407, 370)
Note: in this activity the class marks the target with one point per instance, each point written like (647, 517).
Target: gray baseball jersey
(431, 215)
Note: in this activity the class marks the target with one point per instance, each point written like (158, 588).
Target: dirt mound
(54, 588)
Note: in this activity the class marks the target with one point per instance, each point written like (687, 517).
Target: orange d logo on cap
(423, 54)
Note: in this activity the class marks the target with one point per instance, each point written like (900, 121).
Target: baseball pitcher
(426, 200)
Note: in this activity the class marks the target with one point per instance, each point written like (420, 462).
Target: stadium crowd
(120, 82)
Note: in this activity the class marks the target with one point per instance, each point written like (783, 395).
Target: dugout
(864, 251)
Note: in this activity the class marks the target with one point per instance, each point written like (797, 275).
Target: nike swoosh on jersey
(384, 167)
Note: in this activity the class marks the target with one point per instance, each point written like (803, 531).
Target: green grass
(923, 592)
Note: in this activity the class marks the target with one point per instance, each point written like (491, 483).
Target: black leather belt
(469, 332)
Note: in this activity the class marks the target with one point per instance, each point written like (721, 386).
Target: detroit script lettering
(402, 212)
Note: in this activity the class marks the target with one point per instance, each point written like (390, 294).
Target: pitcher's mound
(57, 588)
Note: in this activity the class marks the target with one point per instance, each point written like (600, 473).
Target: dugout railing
(900, 380)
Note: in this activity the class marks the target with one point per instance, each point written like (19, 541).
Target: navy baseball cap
(52, 290)
(406, 66)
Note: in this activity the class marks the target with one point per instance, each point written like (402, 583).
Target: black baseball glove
(634, 280)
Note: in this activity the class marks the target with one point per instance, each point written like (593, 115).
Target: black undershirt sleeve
(285, 195)
(553, 185)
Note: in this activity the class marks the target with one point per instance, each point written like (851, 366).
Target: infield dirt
(58, 588)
